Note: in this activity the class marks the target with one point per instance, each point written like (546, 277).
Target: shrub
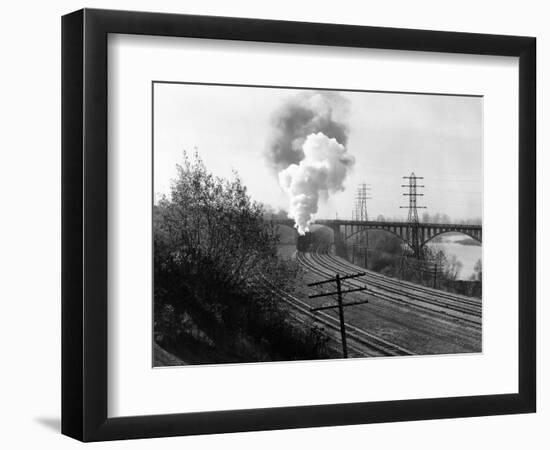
(213, 255)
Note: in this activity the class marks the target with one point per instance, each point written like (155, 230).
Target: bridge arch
(365, 229)
(401, 237)
(464, 233)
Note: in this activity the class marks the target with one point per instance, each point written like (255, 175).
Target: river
(468, 255)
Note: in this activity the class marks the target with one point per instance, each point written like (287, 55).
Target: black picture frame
(84, 224)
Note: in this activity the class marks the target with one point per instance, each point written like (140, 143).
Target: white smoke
(322, 171)
(301, 115)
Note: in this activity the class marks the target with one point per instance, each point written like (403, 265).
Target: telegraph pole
(412, 219)
(341, 314)
(431, 269)
(366, 248)
(340, 304)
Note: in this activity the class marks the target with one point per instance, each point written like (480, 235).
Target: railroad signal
(340, 305)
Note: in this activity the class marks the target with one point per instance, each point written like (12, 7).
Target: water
(468, 255)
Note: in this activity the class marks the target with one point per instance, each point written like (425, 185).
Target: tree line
(440, 218)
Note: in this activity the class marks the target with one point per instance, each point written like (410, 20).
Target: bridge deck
(381, 224)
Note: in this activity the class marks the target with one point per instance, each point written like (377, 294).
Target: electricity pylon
(413, 236)
(363, 194)
(360, 213)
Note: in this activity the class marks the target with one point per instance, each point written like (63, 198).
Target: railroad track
(463, 304)
(474, 302)
(442, 307)
(360, 342)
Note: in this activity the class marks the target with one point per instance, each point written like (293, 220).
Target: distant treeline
(468, 241)
(215, 265)
(430, 218)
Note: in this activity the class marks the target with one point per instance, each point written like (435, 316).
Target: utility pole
(429, 268)
(412, 219)
(341, 314)
(366, 248)
(340, 305)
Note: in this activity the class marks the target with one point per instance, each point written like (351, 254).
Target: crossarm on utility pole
(340, 305)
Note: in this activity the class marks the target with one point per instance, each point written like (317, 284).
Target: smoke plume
(322, 171)
(306, 113)
(307, 151)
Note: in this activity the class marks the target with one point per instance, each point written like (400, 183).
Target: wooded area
(214, 259)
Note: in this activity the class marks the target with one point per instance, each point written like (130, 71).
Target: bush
(213, 255)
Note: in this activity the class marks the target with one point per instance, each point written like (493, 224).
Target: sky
(390, 135)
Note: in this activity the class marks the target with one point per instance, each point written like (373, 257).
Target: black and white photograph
(275, 225)
(294, 224)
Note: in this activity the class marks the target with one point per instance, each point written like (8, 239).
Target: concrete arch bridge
(416, 235)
